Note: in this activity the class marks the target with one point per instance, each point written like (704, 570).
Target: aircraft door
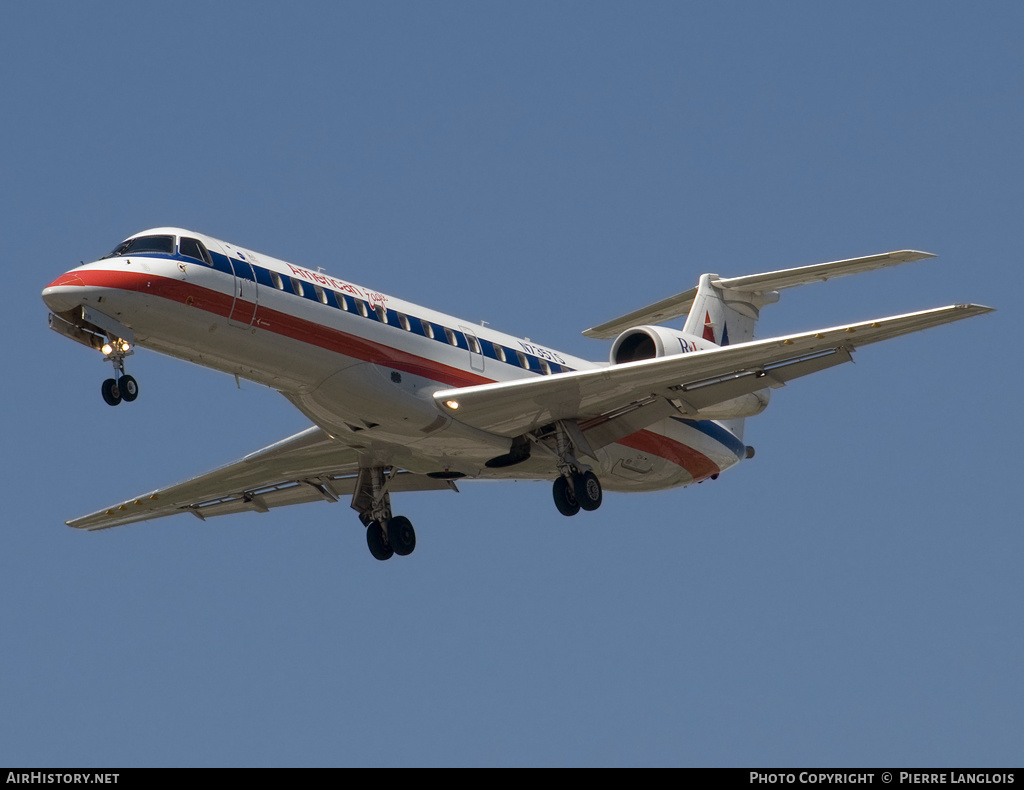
(243, 311)
(476, 352)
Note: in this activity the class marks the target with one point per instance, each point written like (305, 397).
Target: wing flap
(704, 394)
(513, 408)
(326, 488)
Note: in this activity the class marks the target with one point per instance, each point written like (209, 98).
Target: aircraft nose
(64, 293)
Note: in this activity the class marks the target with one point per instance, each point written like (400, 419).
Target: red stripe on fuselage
(280, 323)
(693, 461)
(698, 465)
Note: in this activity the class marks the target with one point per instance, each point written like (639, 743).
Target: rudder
(725, 316)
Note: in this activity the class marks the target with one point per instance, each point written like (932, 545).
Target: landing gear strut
(386, 535)
(122, 387)
(577, 488)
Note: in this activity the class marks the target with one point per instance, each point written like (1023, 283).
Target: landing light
(123, 346)
(452, 404)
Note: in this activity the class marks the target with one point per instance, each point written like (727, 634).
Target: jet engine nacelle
(648, 342)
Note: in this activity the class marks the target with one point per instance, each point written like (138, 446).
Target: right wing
(694, 380)
(307, 467)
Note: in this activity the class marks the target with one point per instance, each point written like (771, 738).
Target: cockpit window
(193, 248)
(143, 244)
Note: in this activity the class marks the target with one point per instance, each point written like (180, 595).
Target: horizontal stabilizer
(679, 305)
(819, 272)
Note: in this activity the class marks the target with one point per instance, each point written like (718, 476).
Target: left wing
(694, 380)
(307, 467)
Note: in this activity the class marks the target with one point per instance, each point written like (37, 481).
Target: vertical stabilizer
(725, 316)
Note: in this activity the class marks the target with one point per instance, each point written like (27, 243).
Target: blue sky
(849, 597)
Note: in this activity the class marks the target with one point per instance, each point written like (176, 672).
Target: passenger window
(499, 352)
(342, 301)
(296, 286)
(524, 361)
(382, 314)
(320, 294)
(362, 308)
(276, 279)
(428, 330)
(403, 322)
(474, 346)
(451, 337)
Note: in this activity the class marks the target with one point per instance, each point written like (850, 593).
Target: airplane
(403, 398)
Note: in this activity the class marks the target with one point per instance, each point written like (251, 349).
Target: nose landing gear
(122, 387)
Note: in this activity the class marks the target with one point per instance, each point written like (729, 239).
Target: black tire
(565, 500)
(128, 387)
(588, 490)
(111, 394)
(378, 544)
(401, 536)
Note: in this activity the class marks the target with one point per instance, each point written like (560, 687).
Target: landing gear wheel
(111, 394)
(565, 499)
(401, 535)
(378, 544)
(588, 490)
(128, 387)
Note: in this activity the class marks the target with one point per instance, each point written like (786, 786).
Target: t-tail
(724, 315)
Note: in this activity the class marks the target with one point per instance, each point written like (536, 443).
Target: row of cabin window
(299, 288)
(195, 249)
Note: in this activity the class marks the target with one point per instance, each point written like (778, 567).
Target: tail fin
(725, 315)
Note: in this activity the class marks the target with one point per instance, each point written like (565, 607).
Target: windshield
(141, 244)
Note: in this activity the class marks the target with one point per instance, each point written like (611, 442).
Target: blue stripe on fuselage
(248, 271)
(715, 431)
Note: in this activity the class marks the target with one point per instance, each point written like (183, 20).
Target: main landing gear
(577, 491)
(390, 536)
(386, 535)
(122, 387)
(577, 488)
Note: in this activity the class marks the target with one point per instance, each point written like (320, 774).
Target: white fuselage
(361, 364)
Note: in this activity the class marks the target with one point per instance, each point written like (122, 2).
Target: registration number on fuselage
(541, 352)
